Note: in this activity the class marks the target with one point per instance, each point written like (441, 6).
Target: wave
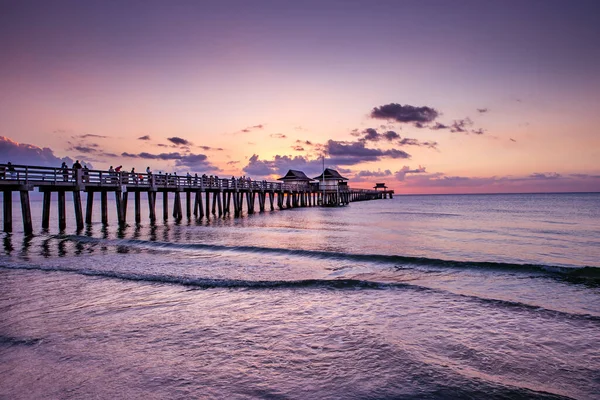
(589, 274)
(331, 284)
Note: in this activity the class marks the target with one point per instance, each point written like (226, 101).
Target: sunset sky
(427, 96)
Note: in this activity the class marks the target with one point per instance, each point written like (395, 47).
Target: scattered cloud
(416, 142)
(371, 135)
(512, 140)
(405, 113)
(351, 153)
(89, 135)
(478, 131)
(279, 165)
(376, 174)
(439, 126)
(461, 125)
(145, 137)
(179, 141)
(278, 135)
(28, 154)
(298, 148)
(401, 174)
(208, 148)
(551, 175)
(482, 110)
(253, 128)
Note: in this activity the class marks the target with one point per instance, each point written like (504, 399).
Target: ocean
(419, 297)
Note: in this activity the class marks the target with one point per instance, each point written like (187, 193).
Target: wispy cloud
(405, 113)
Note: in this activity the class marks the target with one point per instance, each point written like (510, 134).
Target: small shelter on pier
(331, 180)
(380, 186)
(295, 177)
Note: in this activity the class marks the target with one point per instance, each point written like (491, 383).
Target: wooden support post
(214, 204)
(207, 204)
(104, 206)
(62, 217)
(219, 205)
(78, 210)
(271, 194)
(249, 203)
(152, 206)
(227, 202)
(177, 212)
(26, 212)
(46, 210)
(89, 207)
(125, 198)
(137, 206)
(7, 200)
(165, 205)
(289, 199)
(119, 203)
(200, 205)
(188, 204)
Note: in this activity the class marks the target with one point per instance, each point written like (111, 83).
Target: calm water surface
(478, 296)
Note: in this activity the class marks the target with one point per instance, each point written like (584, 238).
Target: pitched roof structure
(330, 174)
(294, 175)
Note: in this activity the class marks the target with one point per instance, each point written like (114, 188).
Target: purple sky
(247, 84)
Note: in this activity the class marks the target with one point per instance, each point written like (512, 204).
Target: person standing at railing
(11, 170)
(65, 171)
(189, 178)
(86, 174)
(76, 170)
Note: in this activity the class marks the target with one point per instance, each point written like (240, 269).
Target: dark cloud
(478, 131)
(145, 137)
(512, 140)
(461, 125)
(482, 110)
(179, 141)
(298, 148)
(439, 126)
(162, 145)
(279, 165)
(401, 174)
(208, 148)
(232, 162)
(252, 128)
(371, 135)
(350, 153)
(278, 135)
(416, 142)
(150, 156)
(85, 149)
(199, 161)
(28, 154)
(406, 113)
(305, 142)
(89, 135)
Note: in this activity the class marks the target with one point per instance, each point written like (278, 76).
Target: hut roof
(294, 175)
(330, 174)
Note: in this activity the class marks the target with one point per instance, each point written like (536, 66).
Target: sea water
(424, 297)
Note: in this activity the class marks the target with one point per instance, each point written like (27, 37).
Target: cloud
(304, 142)
(298, 148)
(28, 154)
(401, 174)
(89, 135)
(416, 142)
(232, 162)
(351, 153)
(208, 148)
(85, 149)
(377, 174)
(145, 137)
(371, 135)
(461, 125)
(482, 110)
(279, 165)
(406, 113)
(278, 135)
(439, 126)
(199, 161)
(478, 131)
(512, 140)
(551, 175)
(179, 141)
(252, 128)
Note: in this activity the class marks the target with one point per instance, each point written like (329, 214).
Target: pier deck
(225, 193)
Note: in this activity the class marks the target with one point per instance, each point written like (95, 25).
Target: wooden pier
(204, 196)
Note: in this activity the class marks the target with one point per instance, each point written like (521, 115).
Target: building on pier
(295, 177)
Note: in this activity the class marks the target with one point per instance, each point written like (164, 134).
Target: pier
(203, 196)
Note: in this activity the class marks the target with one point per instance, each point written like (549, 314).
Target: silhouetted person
(65, 171)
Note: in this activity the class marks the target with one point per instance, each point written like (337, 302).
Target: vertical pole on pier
(62, 217)
(188, 204)
(271, 194)
(165, 205)
(7, 200)
(219, 205)
(78, 209)
(249, 203)
(46, 210)
(125, 197)
(151, 206)
(207, 195)
(177, 214)
(26, 212)
(200, 205)
(214, 204)
(104, 206)
(228, 203)
(288, 204)
(137, 206)
(119, 202)
(196, 204)
(89, 207)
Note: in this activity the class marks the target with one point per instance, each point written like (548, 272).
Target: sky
(426, 96)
